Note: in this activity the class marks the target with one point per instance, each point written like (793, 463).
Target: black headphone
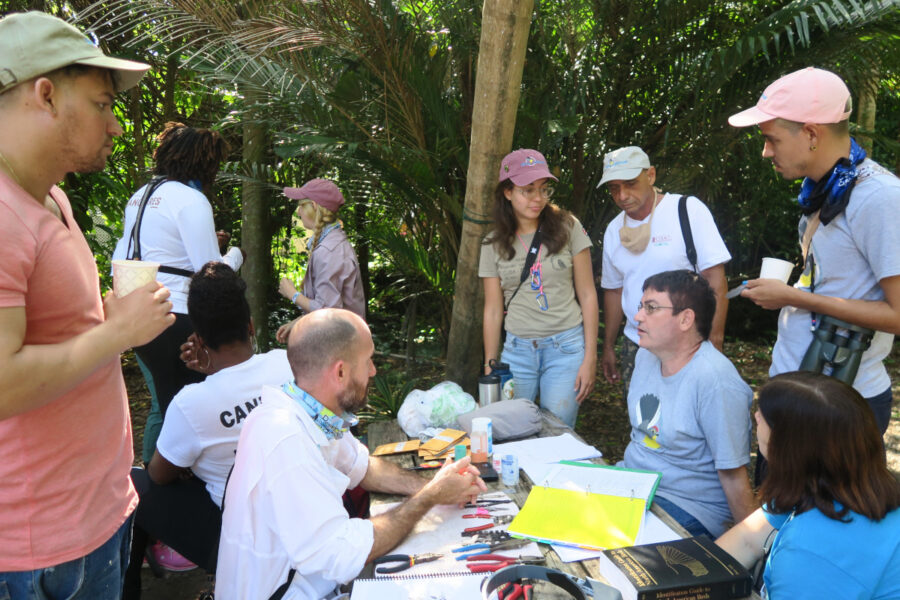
(580, 589)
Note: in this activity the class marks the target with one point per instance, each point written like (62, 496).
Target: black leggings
(180, 515)
(161, 357)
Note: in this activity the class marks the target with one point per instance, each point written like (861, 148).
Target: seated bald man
(284, 527)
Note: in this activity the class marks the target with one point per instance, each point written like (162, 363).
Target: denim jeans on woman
(95, 576)
(547, 367)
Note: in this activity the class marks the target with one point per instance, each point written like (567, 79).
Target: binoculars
(836, 349)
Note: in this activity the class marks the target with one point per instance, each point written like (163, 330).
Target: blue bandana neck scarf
(831, 194)
(333, 426)
(326, 231)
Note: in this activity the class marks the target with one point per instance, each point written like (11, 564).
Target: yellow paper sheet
(577, 518)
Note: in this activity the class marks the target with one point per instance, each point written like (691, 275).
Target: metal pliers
(488, 548)
(490, 502)
(514, 591)
(405, 560)
(498, 561)
(498, 520)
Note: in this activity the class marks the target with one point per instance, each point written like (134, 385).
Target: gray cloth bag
(510, 419)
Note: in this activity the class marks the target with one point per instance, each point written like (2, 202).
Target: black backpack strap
(689, 247)
(533, 251)
(135, 238)
(176, 271)
(283, 588)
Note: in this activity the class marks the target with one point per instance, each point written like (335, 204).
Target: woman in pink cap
(332, 273)
(547, 303)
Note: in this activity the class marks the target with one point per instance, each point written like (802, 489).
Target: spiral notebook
(587, 505)
(462, 586)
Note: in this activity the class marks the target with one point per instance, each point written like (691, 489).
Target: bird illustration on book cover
(674, 558)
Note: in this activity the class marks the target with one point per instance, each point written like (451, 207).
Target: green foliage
(386, 395)
(379, 96)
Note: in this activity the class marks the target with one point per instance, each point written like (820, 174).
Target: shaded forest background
(379, 96)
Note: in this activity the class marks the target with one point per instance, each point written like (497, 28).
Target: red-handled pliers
(514, 591)
(474, 530)
(498, 561)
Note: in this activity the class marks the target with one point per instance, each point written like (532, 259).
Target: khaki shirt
(525, 317)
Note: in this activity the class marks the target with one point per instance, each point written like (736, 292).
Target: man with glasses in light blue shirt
(689, 408)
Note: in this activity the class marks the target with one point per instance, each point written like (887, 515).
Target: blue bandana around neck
(195, 183)
(328, 229)
(831, 194)
(333, 426)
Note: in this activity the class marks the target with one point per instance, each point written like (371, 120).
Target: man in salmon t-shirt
(65, 437)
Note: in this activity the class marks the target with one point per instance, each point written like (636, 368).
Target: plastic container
(507, 385)
(509, 470)
(482, 444)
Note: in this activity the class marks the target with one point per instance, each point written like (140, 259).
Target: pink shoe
(169, 559)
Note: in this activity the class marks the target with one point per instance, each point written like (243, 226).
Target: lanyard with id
(536, 274)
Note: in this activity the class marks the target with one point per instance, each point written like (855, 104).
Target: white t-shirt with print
(204, 420)
(177, 231)
(665, 251)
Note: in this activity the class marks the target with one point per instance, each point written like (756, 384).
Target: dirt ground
(602, 421)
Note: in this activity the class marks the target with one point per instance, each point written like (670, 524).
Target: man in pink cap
(65, 435)
(848, 231)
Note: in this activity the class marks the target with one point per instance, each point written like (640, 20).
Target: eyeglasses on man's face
(650, 307)
(530, 192)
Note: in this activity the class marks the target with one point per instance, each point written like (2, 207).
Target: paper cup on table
(129, 275)
(775, 268)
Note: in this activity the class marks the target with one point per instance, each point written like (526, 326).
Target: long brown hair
(555, 223)
(824, 447)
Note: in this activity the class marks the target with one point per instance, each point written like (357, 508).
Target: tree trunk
(865, 115)
(255, 234)
(498, 79)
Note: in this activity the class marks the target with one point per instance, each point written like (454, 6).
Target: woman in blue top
(830, 505)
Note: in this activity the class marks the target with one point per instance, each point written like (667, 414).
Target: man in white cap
(647, 238)
(65, 433)
(848, 231)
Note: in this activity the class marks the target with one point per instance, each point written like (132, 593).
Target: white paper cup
(775, 268)
(129, 275)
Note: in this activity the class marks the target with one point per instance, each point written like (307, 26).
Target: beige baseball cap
(35, 43)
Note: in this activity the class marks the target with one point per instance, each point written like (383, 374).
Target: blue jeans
(547, 365)
(96, 576)
(684, 518)
(881, 407)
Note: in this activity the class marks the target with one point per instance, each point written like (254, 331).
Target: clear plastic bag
(438, 407)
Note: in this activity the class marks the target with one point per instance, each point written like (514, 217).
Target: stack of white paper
(538, 455)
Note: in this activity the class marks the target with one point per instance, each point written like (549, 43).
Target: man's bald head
(322, 338)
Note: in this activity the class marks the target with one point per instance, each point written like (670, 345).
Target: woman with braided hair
(177, 231)
(332, 274)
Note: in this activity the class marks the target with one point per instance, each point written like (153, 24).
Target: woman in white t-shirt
(549, 310)
(181, 492)
(332, 276)
(176, 231)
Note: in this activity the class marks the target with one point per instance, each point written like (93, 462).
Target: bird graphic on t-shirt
(648, 414)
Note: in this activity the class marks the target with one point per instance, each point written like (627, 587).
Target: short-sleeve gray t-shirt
(687, 427)
(525, 318)
(851, 254)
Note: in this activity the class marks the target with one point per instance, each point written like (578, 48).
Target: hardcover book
(688, 569)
